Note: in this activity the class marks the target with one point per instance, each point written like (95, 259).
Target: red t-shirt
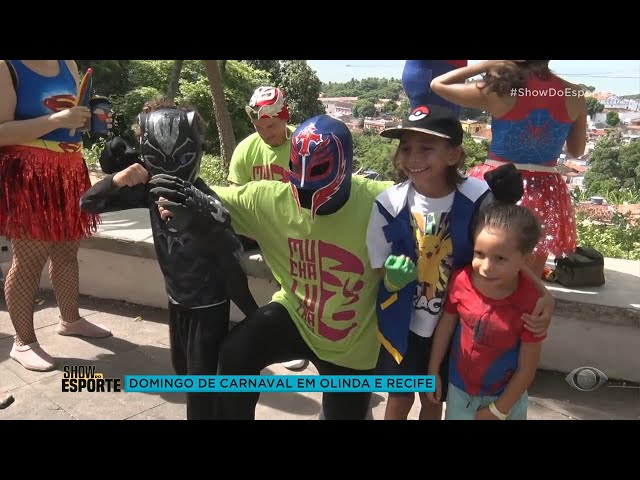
(486, 345)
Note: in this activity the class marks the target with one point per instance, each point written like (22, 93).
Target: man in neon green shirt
(264, 155)
(313, 235)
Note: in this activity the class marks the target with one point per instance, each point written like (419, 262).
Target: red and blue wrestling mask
(171, 143)
(320, 165)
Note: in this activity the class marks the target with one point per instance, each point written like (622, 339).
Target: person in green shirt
(264, 155)
(312, 232)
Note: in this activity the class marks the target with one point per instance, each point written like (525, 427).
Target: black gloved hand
(191, 208)
(505, 183)
(117, 155)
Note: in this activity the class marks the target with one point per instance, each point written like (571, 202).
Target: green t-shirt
(254, 160)
(327, 283)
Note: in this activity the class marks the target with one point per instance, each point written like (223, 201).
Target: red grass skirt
(547, 196)
(40, 194)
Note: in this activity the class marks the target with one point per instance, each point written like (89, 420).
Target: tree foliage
(302, 87)
(364, 108)
(372, 88)
(593, 106)
(110, 77)
(129, 84)
(272, 67)
(220, 110)
(476, 151)
(613, 167)
(402, 110)
(613, 119)
(619, 240)
(373, 152)
(390, 107)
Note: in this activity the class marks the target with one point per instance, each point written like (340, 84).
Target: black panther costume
(199, 260)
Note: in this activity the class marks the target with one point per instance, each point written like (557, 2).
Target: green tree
(110, 77)
(272, 67)
(239, 84)
(476, 152)
(150, 73)
(127, 107)
(364, 108)
(174, 84)
(221, 112)
(403, 109)
(371, 88)
(613, 119)
(389, 107)
(373, 152)
(240, 80)
(129, 88)
(593, 106)
(370, 96)
(302, 87)
(613, 168)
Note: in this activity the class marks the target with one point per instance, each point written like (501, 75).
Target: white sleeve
(378, 247)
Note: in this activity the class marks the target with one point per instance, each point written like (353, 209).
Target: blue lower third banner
(279, 383)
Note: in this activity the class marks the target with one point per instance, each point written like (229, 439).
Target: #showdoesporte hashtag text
(547, 92)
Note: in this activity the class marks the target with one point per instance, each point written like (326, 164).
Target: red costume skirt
(547, 196)
(40, 194)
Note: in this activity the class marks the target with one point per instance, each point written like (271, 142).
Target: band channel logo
(84, 378)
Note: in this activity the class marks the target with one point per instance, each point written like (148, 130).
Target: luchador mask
(171, 143)
(320, 164)
(267, 102)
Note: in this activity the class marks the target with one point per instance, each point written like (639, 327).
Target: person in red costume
(535, 114)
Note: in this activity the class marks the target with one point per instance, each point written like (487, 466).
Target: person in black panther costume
(199, 259)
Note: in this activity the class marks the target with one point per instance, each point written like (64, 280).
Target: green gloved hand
(399, 272)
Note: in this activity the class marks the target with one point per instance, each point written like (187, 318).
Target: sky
(621, 77)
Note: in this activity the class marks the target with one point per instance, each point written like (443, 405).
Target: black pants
(270, 336)
(414, 362)
(196, 336)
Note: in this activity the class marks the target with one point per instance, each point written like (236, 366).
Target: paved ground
(140, 346)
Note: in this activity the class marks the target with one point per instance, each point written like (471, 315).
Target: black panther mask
(170, 143)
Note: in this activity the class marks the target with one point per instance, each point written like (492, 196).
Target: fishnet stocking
(21, 284)
(64, 276)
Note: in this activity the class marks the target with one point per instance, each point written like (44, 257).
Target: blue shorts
(462, 406)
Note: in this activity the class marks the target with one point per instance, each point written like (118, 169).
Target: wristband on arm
(493, 409)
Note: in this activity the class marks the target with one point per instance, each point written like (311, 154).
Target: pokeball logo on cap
(419, 113)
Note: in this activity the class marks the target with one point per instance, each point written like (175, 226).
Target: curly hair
(162, 102)
(158, 103)
(504, 80)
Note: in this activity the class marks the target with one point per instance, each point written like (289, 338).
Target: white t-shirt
(429, 217)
